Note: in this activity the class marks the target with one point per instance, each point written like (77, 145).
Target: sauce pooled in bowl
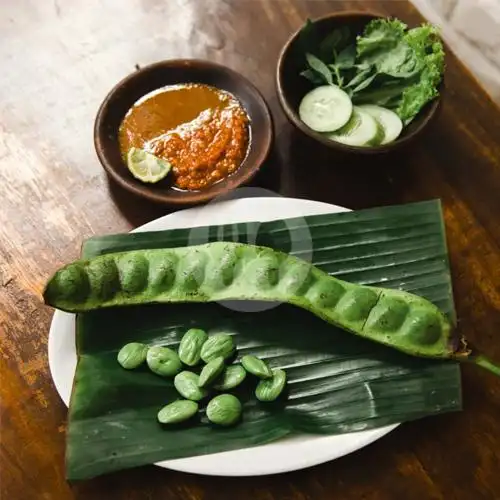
(201, 130)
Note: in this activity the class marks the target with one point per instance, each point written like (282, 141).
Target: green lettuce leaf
(380, 37)
(409, 65)
(389, 65)
(425, 43)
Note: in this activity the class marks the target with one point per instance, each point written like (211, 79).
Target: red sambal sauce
(201, 130)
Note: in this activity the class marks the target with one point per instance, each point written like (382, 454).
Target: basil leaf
(346, 37)
(380, 95)
(308, 38)
(362, 66)
(319, 67)
(393, 102)
(360, 77)
(365, 83)
(329, 45)
(336, 72)
(346, 58)
(312, 76)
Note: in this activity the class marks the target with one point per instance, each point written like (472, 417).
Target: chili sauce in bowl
(182, 132)
(202, 131)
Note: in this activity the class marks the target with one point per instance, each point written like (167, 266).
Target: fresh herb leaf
(365, 83)
(425, 42)
(410, 64)
(359, 78)
(338, 77)
(346, 57)
(380, 95)
(346, 38)
(425, 90)
(329, 45)
(388, 65)
(423, 39)
(319, 67)
(308, 38)
(312, 76)
(384, 46)
(401, 62)
(379, 36)
(334, 43)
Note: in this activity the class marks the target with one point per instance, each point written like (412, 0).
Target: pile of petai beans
(215, 352)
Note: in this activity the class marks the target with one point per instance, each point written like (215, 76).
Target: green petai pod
(235, 271)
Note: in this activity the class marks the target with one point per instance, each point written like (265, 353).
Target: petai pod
(177, 412)
(224, 409)
(220, 344)
(232, 377)
(163, 361)
(132, 355)
(211, 371)
(269, 390)
(188, 386)
(395, 318)
(256, 367)
(190, 346)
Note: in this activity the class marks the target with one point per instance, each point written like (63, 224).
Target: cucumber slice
(325, 109)
(390, 121)
(361, 130)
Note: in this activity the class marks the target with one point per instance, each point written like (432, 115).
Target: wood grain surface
(58, 61)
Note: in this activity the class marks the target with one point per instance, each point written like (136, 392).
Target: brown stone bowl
(291, 86)
(169, 72)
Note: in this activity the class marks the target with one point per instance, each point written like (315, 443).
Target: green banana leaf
(338, 382)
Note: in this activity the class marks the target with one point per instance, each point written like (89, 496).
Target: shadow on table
(135, 209)
(300, 167)
(353, 180)
(383, 466)
(138, 210)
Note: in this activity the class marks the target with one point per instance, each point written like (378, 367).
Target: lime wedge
(146, 166)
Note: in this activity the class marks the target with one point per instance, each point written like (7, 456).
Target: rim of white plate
(285, 455)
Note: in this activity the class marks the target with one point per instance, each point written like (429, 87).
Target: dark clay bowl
(291, 87)
(129, 90)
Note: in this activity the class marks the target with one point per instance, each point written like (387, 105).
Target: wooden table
(59, 59)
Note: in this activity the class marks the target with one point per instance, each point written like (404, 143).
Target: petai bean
(190, 346)
(187, 385)
(236, 271)
(132, 355)
(177, 412)
(232, 377)
(256, 367)
(269, 390)
(211, 371)
(224, 409)
(217, 345)
(163, 361)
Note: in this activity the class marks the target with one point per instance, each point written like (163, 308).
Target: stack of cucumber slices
(329, 110)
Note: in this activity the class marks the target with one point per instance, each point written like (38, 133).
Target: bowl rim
(293, 116)
(187, 197)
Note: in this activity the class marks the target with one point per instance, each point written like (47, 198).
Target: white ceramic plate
(285, 455)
